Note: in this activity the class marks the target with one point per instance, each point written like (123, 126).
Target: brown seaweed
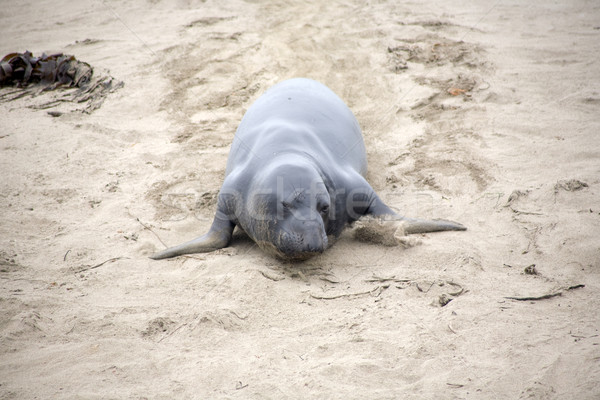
(22, 69)
(49, 72)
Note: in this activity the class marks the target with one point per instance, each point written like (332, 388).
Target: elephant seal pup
(295, 177)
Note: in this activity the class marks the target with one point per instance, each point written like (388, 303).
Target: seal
(295, 177)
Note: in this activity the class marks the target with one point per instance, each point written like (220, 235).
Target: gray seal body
(295, 177)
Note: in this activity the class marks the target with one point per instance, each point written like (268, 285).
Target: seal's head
(289, 209)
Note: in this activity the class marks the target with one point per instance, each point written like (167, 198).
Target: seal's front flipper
(412, 225)
(377, 208)
(217, 237)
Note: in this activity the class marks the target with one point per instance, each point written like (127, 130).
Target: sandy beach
(486, 113)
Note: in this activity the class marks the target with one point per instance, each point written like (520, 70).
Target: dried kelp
(33, 76)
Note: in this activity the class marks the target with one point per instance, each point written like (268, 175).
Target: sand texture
(482, 112)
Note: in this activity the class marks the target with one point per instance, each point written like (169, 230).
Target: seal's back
(299, 116)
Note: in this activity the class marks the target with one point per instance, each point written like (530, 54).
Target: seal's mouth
(299, 256)
(271, 249)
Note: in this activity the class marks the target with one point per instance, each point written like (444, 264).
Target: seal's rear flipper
(217, 237)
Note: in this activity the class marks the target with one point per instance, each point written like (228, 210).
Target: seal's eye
(286, 205)
(324, 210)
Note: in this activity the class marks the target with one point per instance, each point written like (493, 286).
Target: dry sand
(487, 113)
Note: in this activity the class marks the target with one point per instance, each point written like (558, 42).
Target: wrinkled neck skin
(286, 210)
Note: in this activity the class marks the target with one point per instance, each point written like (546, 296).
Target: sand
(486, 113)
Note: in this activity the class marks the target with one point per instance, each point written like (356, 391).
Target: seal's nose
(302, 240)
(315, 240)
